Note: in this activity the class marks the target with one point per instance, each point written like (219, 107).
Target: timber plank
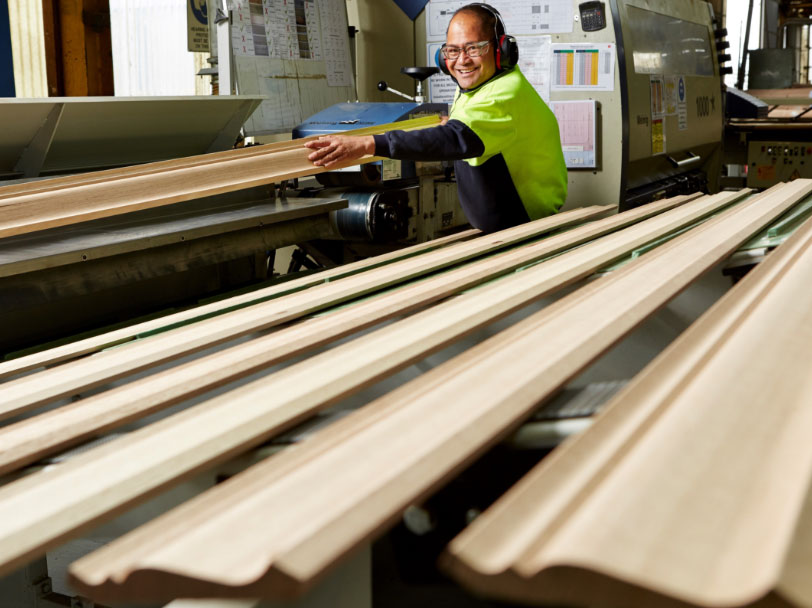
(694, 480)
(31, 439)
(96, 343)
(28, 212)
(81, 179)
(25, 393)
(44, 508)
(424, 432)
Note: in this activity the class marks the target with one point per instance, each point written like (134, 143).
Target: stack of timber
(30, 392)
(72, 199)
(423, 433)
(693, 485)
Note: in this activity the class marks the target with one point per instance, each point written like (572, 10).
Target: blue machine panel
(346, 116)
(6, 63)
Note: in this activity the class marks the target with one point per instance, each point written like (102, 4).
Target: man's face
(470, 72)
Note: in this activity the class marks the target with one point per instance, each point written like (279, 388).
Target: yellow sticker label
(658, 136)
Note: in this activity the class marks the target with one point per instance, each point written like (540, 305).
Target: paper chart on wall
(576, 123)
(335, 42)
(294, 52)
(294, 30)
(521, 17)
(583, 67)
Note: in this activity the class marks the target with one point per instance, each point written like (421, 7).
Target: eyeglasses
(472, 49)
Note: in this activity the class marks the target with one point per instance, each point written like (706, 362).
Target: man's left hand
(333, 149)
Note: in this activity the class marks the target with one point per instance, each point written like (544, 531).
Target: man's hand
(331, 149)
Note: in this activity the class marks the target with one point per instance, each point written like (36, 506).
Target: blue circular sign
(200, 11)
(681, 89)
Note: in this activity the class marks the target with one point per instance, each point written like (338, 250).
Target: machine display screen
(668, 45)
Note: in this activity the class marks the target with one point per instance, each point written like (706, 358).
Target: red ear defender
(499, 53)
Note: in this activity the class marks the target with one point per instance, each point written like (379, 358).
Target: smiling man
(502, 136)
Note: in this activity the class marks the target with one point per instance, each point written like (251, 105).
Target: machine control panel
(770, 162)
(593, 16)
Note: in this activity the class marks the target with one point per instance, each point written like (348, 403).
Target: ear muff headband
(507, 50)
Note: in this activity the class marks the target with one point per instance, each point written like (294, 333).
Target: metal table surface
(151, 228)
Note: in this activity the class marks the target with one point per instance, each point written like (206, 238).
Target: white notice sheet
(521, 17)
(335, 42)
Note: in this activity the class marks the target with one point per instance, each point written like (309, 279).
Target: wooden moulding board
(144, 187)
(31, 439)
(92, 132)
(109, 175)
(421, 433)
(33, 390)
(42, 509)
(105, 340)
(692, 487)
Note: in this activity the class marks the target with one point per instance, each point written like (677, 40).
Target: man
(503, 138)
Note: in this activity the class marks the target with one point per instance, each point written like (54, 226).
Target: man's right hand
(330, 150)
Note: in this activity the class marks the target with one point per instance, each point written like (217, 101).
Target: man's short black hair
(486, 17)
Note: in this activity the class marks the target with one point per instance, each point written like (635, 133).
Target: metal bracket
(224, 139)
(33, 157)
(44, 587)
(692, 158)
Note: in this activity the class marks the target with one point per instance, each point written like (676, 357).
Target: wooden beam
(105, 340)
(53, 184)
(72, 34)
(31, 439)
(53, 45)
(28, 392)
(41, 510)
(136, 190)
(98, 47)
(692, 487)
(420, 435)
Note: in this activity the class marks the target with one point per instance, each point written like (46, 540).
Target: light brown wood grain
(692, 486)
(33, 438)
(58, 183)
(144, 189)
(28, 392)
(328, 495)
(92, 344)
(44, 508)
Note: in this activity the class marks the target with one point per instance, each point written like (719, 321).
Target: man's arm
(332, 149)
(450, 141)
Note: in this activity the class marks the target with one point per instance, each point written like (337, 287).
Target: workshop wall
(383, 45)
(28, 48)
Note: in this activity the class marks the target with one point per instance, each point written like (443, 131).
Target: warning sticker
(766, 172)
(658, 136)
